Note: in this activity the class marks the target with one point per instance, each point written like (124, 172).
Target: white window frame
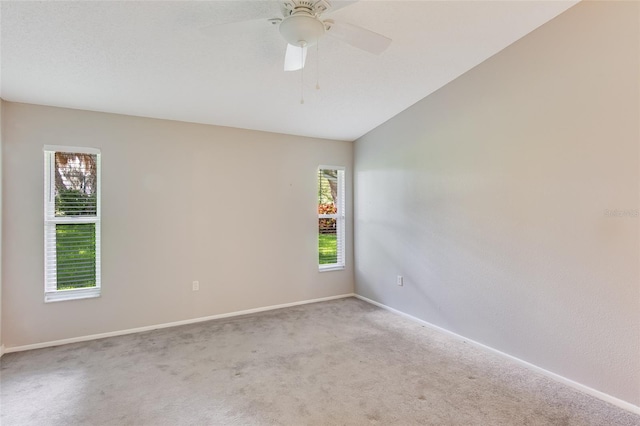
(340, 218)
(51, 292)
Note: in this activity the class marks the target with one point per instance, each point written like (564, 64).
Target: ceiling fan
(302, 25)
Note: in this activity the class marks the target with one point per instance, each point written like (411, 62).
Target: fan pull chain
(302, 45)
(302, 85)
(317, 65)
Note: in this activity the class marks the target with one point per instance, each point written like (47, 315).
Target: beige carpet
(343, 362)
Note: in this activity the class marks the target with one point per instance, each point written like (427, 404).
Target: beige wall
(234, 209)
(490, 197)
(1, 184)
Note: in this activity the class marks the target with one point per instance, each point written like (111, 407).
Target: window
(331, 218)
(71, 223)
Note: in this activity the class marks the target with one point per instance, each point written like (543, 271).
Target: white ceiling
(152, 59)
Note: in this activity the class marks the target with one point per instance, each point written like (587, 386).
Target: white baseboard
(167, 325)
(578, 386)
(1, 350)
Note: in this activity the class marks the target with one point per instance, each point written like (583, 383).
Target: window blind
(331, 218)
(72, 223)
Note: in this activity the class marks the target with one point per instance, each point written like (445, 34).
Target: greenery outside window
(71, 223)
(331, 218)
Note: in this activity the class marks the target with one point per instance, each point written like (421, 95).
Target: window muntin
(331, 218)
(72, 223)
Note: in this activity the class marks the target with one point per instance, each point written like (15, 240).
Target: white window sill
(75, 294)
(331, 268)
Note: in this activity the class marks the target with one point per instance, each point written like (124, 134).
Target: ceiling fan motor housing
(303, 26)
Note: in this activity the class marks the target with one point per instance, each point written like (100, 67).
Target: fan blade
(235, 28)
(359, 37)
(294, 58)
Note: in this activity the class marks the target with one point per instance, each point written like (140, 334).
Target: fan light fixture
(302, 25)
(301, 28)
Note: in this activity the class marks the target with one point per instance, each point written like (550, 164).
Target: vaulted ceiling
(153, 59)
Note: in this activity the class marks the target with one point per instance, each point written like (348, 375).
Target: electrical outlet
(195, 286)
(400, 280)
